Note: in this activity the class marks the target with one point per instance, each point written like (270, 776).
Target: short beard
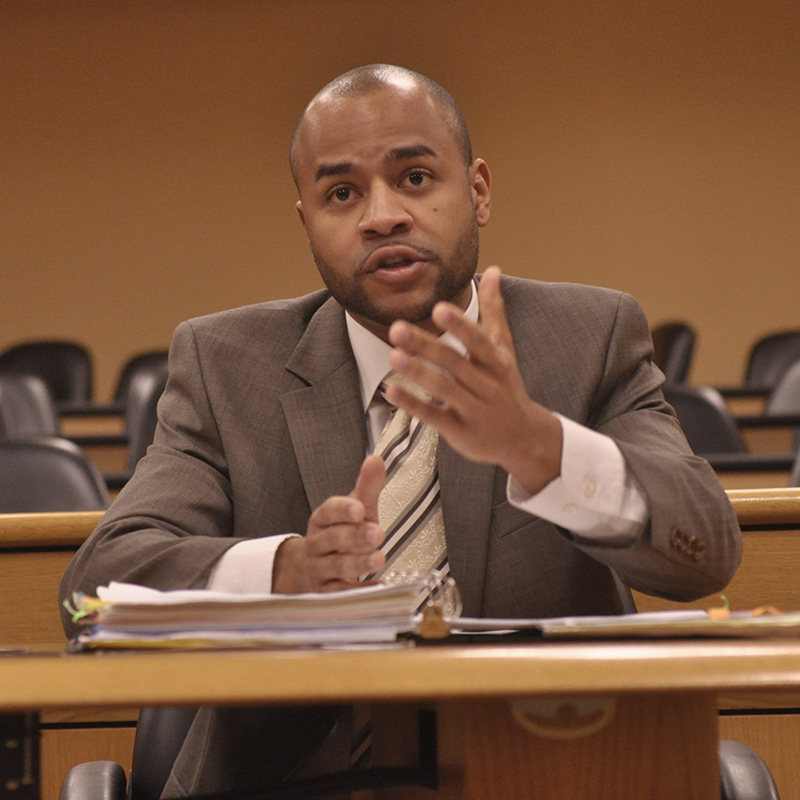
(451, 281)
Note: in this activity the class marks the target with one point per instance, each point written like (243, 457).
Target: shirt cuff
(246, 568)
(595, 497)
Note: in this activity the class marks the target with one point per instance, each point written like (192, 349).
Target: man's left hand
(480, 405)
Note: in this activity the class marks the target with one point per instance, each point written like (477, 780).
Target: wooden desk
(769, 721)
(768, 574)
(34, 552)
(35, 549)
(659, 741)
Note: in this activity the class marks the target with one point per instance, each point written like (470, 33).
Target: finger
(445, 391)
(493, 308)
(345, 567)
(446, 418)
(344, 539)
(413, 340)
(440, 370)
(480, 339)
(338, 510)
(369, 485)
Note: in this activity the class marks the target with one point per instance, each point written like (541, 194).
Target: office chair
(160, 733)
(26, 407)
(48, 474)
(144, 362)
(144, 391)
(705, 419)
(66, 368)
(673, 346)
(785, 398)
(770, 357)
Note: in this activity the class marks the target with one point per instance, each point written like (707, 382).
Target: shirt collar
(372, 353)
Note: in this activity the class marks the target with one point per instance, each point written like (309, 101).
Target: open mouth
(394, 258)
(396, 261)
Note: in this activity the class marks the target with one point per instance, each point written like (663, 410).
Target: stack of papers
(128, 616)
(125, 615)
(650, 625)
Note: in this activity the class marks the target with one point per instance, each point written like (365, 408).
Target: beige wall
(649, 146)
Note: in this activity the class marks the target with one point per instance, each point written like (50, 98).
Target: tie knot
(393, 378)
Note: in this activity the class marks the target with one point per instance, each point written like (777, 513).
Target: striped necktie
(410, 512)
(409, 507)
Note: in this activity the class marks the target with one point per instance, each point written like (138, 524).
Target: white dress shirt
(595, 496)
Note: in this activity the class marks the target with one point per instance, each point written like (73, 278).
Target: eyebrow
(412, 151)
(397, 154)
(334, 169)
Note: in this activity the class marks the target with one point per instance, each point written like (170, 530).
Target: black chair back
(705, 419)
(785, 399)
(159, 737)
(144, 362)
(144, 392)
(66, 368)
(48, 475)
(673, 347)
(26, 408)
(770, 357)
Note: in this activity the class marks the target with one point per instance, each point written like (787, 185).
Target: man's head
(390, 197)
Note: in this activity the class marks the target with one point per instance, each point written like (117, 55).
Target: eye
(416, 178)
(342, 194)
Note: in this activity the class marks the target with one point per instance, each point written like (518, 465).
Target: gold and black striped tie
(409, 507)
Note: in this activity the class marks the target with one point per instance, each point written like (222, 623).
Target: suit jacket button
(699, 551)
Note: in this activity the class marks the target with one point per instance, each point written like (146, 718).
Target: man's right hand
(341, 542)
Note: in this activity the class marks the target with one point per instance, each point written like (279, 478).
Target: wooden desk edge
(62, 529)
(397, 675)
(766, 506)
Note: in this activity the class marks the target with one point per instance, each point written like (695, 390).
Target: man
(557, 457)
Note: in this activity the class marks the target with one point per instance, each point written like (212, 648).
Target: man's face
(390, 209)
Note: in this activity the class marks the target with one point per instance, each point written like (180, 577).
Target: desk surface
(42, 681)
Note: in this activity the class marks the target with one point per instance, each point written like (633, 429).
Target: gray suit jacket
(262, 420)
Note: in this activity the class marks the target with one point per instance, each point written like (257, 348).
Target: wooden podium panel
(659, 747)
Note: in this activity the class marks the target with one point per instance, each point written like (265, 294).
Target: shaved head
(376, 77)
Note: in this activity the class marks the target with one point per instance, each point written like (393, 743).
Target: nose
(384, 213)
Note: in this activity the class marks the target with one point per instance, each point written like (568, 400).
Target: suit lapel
(326, 417)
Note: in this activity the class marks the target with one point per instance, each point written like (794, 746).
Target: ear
(300, 214)
(481, 185)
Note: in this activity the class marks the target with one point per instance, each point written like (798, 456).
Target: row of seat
(66, 369)
(41, 471)
(769, 357)
(712, 429)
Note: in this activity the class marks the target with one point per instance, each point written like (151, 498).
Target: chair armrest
(767, 420)
(94, 780)
(750, 462)
(743, 391)
(743, 773)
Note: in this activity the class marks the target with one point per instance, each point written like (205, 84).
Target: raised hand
(341, 541)
(480, 405)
